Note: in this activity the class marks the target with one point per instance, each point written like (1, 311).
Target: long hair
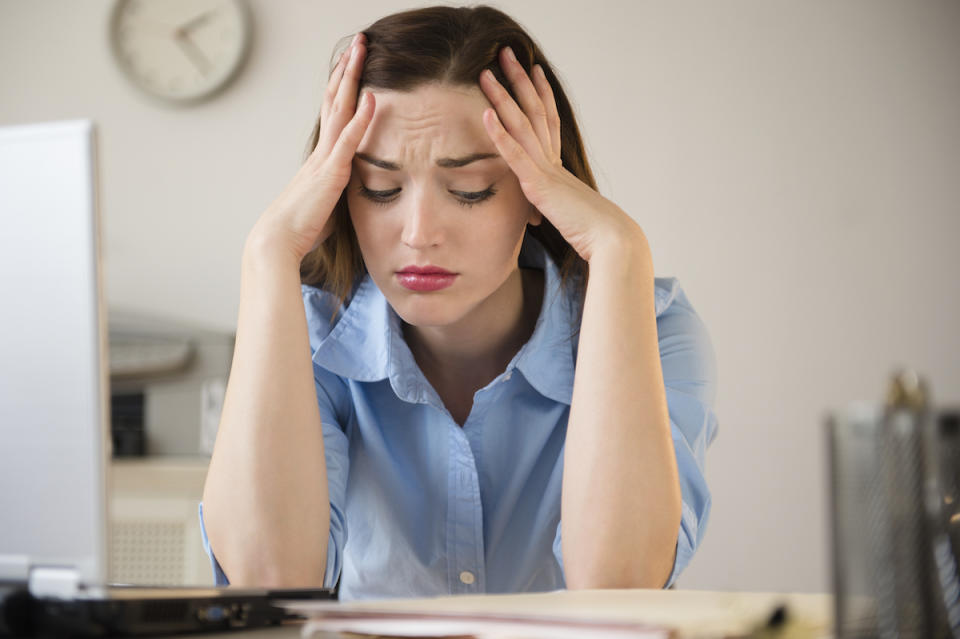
(450, 46)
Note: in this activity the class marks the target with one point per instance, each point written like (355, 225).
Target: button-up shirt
(420, 506)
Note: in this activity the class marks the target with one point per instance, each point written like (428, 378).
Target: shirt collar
(547, 359)
(366, 343)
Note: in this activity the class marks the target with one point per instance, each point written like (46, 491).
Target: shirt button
(467, 577)
(507, 377)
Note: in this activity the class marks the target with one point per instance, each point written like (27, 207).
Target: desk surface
(695, 614)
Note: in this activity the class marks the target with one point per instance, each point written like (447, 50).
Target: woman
(439, 235)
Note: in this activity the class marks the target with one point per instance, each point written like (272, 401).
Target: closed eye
(464, 198)
(469, 198)
(379, 197)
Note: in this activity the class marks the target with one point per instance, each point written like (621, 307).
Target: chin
(427, 310)
(439, 308)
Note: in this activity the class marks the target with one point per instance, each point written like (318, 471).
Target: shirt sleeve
(334, 401)
(689, 370)
(331, 396)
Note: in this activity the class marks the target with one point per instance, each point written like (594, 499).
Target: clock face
(180, 50)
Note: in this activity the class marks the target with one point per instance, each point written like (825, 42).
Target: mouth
(429, 269)
(425, 279)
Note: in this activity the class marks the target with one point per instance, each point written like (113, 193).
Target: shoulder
(686, 349)
(666, 290)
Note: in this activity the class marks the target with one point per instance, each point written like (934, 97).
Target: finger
(334, 82)
(346, 97)
(550, 104)
(510, 150)
(337, 74)
(527, 95)
(343, 106)
(511, 117)
(346, 145)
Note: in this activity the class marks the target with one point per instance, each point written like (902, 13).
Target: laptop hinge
(54, 582)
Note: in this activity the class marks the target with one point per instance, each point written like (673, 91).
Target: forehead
(432, 118)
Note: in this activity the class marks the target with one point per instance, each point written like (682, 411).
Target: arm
(622, 493)
(266, 503)
(621, 499)
(266, 499)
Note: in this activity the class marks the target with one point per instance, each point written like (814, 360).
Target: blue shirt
(420, 506)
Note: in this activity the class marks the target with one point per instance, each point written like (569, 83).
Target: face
(436, 201)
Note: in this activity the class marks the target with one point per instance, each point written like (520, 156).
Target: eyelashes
(464, 198)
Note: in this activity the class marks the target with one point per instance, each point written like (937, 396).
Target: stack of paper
(604, 614)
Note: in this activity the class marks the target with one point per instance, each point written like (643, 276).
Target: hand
(528, 139)
(300, 219)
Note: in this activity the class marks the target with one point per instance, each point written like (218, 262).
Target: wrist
(265, 250)
(627, 248)
(263, 253)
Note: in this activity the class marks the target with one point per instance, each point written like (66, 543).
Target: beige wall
(795, 164)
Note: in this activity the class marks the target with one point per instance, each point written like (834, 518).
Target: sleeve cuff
(338, 535)
(685, 543)
(558, 552)
(219, 579)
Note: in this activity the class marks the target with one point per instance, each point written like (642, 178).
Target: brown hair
(452, 46)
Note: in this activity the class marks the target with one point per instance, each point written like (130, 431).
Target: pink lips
(425, 278)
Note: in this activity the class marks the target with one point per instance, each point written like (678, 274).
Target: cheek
(362, 217)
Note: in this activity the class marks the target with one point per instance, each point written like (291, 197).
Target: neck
(478, 348)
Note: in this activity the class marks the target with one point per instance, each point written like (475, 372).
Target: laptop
(54, 413)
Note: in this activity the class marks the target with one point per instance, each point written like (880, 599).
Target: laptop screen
(53, 384)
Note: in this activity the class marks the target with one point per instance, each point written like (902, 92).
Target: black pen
(774, 624)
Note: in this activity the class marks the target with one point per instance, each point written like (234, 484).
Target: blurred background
(795, 164)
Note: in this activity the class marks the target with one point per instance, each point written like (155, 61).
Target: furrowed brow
(383, 164)
(445, 163)
(455, 163)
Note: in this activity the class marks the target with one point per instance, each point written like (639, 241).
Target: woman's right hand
(301, 217)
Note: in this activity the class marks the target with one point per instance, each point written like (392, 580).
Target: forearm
(266, 504)
(621, 502)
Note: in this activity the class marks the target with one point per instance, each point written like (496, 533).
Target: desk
(694, 613)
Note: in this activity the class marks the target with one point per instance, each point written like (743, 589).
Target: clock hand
(193, 52)
(193, 23)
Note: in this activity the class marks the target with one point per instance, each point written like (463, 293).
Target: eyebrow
(445, 163)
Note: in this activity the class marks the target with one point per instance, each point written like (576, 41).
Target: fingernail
(356, 39)
(511, 55)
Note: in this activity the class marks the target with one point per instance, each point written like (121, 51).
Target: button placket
(466, 523)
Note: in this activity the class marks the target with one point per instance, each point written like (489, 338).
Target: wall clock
(181, 51)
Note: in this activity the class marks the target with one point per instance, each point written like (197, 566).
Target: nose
(422, 222)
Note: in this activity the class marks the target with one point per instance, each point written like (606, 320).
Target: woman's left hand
(528, 139)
